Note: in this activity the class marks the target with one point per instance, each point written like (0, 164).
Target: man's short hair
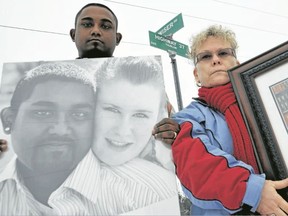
(96, 5)
(66, 71)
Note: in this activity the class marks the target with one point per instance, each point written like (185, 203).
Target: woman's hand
(166, 130)
(271, 202)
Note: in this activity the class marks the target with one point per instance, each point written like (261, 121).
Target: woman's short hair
(216, 31)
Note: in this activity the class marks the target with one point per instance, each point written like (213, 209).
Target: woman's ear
(7, 119)
(195, 72)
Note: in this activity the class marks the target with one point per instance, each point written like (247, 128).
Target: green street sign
(169, 45)
(172, 26)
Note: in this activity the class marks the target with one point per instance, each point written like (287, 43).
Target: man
(95, 34)
(54, 104)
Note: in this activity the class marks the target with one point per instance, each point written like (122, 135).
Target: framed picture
(261, 88)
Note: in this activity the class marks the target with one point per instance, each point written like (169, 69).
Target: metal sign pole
(176, 80)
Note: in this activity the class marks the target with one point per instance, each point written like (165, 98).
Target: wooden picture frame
(261, 88)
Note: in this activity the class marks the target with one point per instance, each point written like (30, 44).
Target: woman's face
(213, 72)
(124, 118)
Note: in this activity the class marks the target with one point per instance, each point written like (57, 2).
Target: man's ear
(118, 38)
(72, 34)
(7, 119)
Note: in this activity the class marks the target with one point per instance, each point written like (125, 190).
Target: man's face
(95, 33)
(52, 130)
(124, 120)
(211, 72)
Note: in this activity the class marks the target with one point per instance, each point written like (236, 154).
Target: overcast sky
(33, 30)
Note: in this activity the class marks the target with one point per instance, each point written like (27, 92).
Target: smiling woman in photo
(136, 170)
(130, 100)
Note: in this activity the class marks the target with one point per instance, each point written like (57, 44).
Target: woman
(213, 153)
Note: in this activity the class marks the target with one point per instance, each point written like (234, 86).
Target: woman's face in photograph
(124, 118)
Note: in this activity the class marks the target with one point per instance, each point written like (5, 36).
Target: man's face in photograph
(53, 127)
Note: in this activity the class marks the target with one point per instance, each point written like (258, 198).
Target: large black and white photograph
(81, 142)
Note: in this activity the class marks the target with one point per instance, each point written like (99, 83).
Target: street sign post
(162, 39)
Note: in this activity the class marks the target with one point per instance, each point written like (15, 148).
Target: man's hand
(3, 145)
(166, 130)
(271, 202)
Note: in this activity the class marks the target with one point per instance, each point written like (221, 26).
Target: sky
(38, 30)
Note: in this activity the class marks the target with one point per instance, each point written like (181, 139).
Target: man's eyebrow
(43, 103)
(86, 18)
(91, 19)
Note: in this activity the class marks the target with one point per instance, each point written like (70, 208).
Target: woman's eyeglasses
(221, 53)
